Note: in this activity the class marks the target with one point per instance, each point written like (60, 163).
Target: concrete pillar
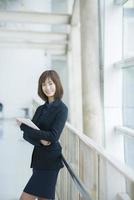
(75, 90)
(92, 106)
(74, 69)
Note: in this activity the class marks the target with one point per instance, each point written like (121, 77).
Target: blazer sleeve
(31, 140)
(51, 135)
(26, 137)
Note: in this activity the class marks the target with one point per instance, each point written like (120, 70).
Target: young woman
(46, 158)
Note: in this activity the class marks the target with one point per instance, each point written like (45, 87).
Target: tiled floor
(15, 157)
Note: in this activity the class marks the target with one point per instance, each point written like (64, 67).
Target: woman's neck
(50, 99)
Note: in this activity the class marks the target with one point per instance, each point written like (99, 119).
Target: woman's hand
(18, 122)
(45, 143)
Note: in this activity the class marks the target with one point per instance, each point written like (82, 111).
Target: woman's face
(49, 88)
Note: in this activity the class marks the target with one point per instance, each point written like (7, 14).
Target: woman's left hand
(45, 143)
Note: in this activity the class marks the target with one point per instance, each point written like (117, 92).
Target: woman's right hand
(18, 122)
(45, 143)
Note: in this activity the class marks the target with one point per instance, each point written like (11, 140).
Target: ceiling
(24, 28)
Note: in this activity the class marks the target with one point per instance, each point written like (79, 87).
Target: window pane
(128, 113)
(128, 34)
(128, 97)
(129, 151)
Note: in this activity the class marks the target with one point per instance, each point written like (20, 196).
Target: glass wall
(128, 97)
(128, 79)
(128, 34)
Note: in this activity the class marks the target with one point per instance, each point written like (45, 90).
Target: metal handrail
(78, 183)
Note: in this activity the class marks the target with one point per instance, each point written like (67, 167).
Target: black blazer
(50, 118)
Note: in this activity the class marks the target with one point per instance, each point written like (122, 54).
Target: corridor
(15, 155)
(90, 44)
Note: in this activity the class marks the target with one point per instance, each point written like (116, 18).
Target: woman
(46, 158)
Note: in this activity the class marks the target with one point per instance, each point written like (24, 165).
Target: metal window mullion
(127, 63)
(120, 2)
(125, 130)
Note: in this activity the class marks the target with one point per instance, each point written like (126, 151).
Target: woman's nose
(47, 87)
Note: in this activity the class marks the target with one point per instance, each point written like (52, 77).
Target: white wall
(21, 68)
(19, 73)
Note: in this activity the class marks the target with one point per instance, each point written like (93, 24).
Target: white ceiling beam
(34, 17)
(32, 36)
(38, 45)
(53, 49)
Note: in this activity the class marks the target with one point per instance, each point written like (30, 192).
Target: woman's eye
(47, 84)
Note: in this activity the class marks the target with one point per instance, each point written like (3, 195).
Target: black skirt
(42, 183)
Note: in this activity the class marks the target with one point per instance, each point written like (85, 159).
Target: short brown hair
(53, 75)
